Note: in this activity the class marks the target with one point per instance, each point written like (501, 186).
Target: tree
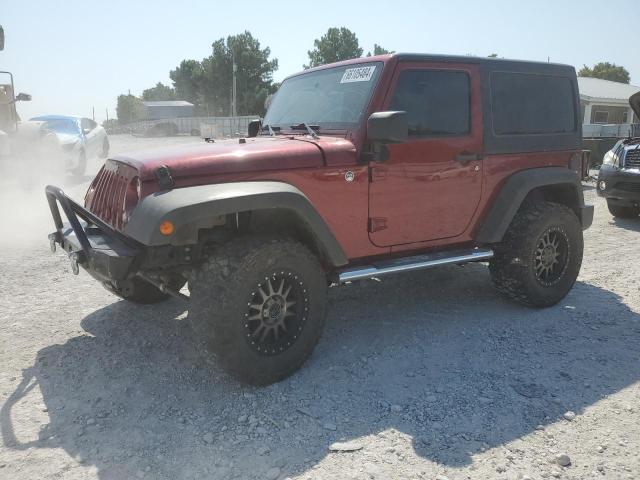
(254, 75)
(187, 78)
(335, 45)
(129, 109)
(493, 55)
(378, 50)
(159, 92)
(606, 71)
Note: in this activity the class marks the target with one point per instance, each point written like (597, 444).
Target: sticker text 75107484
(360, 74)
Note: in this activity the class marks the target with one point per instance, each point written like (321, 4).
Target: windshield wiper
(311, 129)
(272, 131)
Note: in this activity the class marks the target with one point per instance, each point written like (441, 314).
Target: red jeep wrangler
(359, 169)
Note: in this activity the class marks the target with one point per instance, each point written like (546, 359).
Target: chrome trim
(420, 262)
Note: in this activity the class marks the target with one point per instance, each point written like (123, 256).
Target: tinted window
(436, 101)
(531, 104)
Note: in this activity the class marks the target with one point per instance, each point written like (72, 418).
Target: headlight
(610, 158)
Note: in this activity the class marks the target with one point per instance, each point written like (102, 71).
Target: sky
(75, 56)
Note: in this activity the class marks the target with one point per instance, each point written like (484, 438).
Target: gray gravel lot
(427, 375)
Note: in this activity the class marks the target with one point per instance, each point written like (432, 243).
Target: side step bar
(415, 263)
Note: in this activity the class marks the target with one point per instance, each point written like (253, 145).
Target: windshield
(63, 126)
(333, 98)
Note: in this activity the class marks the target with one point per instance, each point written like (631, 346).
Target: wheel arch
(554, 184)
(274, 207)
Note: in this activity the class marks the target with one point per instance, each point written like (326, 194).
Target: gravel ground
(427, 375)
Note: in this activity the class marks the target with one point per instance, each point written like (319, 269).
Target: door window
(437, 102)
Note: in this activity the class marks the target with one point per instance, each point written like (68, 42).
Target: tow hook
(74, 257)
(53, 238)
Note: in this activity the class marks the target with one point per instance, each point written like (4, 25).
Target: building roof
(605, 90)
(168, 103)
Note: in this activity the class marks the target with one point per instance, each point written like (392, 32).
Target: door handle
(467, 157)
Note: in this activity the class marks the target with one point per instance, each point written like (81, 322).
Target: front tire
(259, 306)
(540, 256)
(622, 211)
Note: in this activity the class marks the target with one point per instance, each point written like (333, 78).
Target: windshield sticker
(361, 74)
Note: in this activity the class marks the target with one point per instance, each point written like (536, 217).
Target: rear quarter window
(532, 104)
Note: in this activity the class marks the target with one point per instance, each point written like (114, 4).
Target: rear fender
(556, 184)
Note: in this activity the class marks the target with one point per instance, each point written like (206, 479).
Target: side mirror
(23, 97)
(254, 128)
(388, 127)
(86, 130)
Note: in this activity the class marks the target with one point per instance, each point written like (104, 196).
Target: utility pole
(106, 110)
(93, 113)
(234, 93)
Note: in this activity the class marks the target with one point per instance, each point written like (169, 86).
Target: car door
(429, 187)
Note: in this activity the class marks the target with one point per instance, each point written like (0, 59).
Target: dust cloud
(25, 218)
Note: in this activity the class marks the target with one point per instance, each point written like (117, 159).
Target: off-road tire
(517, 258)
(81, 169)
(224, 293)
(622, 211)
(142, 292)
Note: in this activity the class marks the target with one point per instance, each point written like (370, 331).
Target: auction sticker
(360, 74)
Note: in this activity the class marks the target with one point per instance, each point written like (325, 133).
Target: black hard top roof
(494, 63)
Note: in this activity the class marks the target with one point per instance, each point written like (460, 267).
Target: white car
(80, 139)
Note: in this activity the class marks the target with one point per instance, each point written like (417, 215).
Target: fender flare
(193, 208)
(514, 191)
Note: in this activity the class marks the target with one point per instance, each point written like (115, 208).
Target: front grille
(627, 186)
(107, 194)
(632, 158)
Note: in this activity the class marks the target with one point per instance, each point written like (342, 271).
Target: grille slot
(107, 194)
(632, 158)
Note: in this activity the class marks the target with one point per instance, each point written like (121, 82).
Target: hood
(235, 156)
(634, 101)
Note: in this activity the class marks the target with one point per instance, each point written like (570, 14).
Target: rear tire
(259, 306)
(622, 211)
(540, 256)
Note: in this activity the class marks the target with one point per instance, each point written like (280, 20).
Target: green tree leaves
(159, 92)
(606, 71)
(186, 79)
(378, 50)
(335, 45)
(129, 109)
(254, 75)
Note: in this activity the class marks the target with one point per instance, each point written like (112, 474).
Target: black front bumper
(619, 186)
(107, 254)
